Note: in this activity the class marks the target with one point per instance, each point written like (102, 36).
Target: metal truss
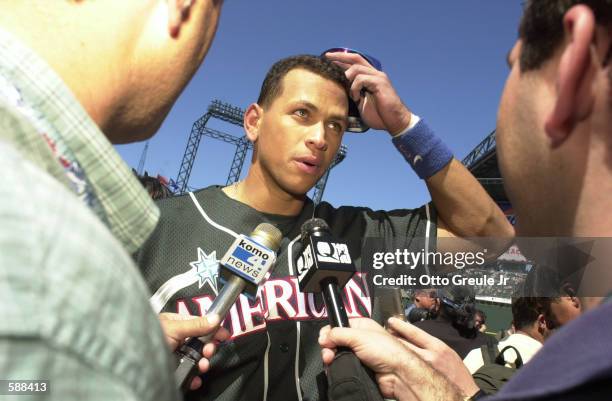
(320, 186)
(190, 152)
(242, 145)
(482, 149)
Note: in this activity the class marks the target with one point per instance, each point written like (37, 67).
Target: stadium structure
(482, 163)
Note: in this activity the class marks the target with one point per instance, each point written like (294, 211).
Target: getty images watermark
(403, 258)
(496, 267)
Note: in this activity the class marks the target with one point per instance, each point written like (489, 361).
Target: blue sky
(446, 60)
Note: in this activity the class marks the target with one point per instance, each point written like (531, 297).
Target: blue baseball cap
(355, 123)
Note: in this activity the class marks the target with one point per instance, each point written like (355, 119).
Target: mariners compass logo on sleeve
(206, 269)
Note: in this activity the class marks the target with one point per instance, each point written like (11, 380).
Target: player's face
(522, 149)
(301, 131)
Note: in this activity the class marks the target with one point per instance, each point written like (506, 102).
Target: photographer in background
(480, 321)
(454, 324)
(425, 305)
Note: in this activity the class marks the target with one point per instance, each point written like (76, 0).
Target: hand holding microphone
(178, 327)
(326, 266)
(244, 267)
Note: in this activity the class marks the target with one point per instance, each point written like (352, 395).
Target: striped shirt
(74, 306)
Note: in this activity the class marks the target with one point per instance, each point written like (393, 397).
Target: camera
(460, 309)
(419, 314)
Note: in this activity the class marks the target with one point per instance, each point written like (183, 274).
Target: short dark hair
(525, 310)
(272, 85)
(541, 28)
(154, 186)
(563, 280)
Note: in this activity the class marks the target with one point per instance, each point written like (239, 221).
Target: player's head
(126, 61)
(298, 122)
(553, 128)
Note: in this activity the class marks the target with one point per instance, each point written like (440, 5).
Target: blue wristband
(423, 150)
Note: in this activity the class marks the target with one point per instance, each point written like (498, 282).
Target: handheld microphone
(419, 314)
(326, 266)
(246, 264)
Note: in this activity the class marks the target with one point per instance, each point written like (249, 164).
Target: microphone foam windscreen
(270, 235)
(311, 224)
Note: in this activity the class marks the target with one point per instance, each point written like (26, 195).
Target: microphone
(326, 266)
(245, 265)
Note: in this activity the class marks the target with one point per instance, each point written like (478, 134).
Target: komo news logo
(248, 259)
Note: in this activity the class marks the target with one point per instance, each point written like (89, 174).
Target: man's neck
(594, 222)
(265, 197)
(533, 333)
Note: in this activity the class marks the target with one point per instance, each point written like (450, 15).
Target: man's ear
(178, 11)
(542, 323)
(569, 290)
(574, 76)
(252, 121)
(576, 302)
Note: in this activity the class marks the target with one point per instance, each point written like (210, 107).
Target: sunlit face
(301, 131)
(522, 149)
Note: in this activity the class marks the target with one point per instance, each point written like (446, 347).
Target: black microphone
(419, 314)
(325, 266)
(246, 264)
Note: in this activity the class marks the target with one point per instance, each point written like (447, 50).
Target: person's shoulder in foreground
(69, 290)
(74, 306)
(71, 309)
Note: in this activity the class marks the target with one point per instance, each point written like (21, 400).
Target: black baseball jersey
(273, 353)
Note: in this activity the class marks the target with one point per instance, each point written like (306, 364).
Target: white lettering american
(280, 299)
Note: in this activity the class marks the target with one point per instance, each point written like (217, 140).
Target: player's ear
(252, 121)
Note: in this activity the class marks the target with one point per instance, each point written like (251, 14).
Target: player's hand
(379, 105)
(179, 327)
